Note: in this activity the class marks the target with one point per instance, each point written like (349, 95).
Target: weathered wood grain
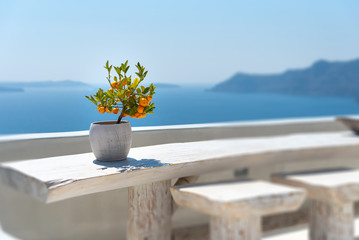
(330, 221)
(58, 178)
(335, 185)
(229, 228)
(238, 199)
(236, 207)
(183, 181)
(332, 194)
(150, 211)
(279, 222)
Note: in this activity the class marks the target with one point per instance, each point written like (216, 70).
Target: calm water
(58, 110)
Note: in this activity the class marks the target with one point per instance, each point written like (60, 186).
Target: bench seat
(236, 207)
(332, 194)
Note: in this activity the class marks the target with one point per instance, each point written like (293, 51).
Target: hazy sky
(178, 41)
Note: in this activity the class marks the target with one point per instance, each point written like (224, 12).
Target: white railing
(30, 146)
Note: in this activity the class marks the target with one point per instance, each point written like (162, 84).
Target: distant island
(323, 78)
(10, 89)
(14, 86)
(166, 85)
(44, 84)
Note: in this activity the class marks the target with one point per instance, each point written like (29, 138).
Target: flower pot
(110, 141)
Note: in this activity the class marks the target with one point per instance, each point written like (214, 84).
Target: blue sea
(61, 110)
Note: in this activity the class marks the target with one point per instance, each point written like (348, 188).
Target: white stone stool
(332, 194)
(236, 207)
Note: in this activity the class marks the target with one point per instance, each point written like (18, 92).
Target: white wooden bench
(332, 194)
(236, 207)
(148, 171)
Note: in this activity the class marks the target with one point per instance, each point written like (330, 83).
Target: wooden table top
(57, 178)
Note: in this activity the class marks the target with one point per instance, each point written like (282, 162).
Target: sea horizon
(63, 110)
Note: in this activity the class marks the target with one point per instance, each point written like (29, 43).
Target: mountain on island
(323, 78)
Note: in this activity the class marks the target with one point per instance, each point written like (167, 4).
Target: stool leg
(227, 228)
(150, 211)
(329, 221)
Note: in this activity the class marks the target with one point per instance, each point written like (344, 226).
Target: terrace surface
(17, 210)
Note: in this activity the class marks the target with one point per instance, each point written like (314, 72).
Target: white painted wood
(183, 181)
(238, 199)
(332, 194)
(227, 228)
(150, 211)
(58, 178)
(186, 180)
(236, 207)
(337, 185)
(330, 221)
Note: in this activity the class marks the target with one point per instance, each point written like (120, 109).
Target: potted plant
(111, 140)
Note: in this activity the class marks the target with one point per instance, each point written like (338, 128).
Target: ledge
(277, 122)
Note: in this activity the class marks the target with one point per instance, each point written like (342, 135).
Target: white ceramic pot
(110, 141)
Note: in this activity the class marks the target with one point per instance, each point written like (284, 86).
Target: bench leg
(330, 221)
(235, 229)
(150, 210)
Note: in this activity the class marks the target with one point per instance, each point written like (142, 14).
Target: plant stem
(121, 114)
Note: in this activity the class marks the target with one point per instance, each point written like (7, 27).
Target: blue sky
(178, 41)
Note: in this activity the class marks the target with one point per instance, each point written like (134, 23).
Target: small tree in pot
(111, 141)
(125, 94)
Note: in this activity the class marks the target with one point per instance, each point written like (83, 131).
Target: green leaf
(132, 110)
(135, 83)
(146, 90)
(122, 92)
(92, 99)
(132, 101)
